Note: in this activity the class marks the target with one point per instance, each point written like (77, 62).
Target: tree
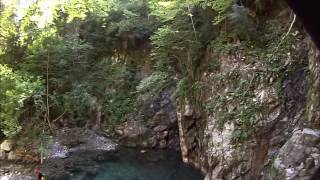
(16, 87)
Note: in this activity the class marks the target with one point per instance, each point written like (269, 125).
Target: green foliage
(269, 49)
(221, 7)
(94, 49)
(7, 28)
(45, 144)
(15, 88)
(179, 45)
(153, 82)
(164, 10)
(117, 106)
(166, 45)
(237, 106)
(77, 104)
(187, 89)
(84, 66)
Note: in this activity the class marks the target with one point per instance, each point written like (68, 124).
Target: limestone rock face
(254, 125)
(134, 129)
(7, 145)
(299, 158)
(157, 127)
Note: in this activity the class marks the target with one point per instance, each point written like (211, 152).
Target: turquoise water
(133, 165)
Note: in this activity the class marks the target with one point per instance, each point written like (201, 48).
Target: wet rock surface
(76, 149)
(78, 161)
(83, 139)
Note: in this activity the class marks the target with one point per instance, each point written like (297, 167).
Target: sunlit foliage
(16, 87)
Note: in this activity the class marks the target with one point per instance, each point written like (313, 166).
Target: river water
(130, 164)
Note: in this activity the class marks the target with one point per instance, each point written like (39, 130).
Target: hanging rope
(192, 22)
(41, 148)
(288, 32)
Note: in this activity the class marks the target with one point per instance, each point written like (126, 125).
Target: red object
(37, 171)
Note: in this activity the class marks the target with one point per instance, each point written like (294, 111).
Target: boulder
(152, 141)
(134, 129)
(162, 144)
(69, 140)
(299, 157)
(12, 155)
(6, 145)
(188, 110)
(2, 154)
(160, 128)
(119, 130)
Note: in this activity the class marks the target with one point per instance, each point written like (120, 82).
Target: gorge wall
(254, 108)
(233, 85)
(258, 119)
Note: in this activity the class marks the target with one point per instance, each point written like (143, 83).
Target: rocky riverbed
(9, 167)
(15, 171)
(70, 149)
(77, 153)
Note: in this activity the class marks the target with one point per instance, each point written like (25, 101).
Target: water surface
(129, 164)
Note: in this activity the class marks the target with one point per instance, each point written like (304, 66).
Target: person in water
(39, 175)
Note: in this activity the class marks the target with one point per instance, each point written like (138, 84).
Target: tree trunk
(47, 94)
(98, 116)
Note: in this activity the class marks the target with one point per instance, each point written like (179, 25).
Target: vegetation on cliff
(88, 63)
